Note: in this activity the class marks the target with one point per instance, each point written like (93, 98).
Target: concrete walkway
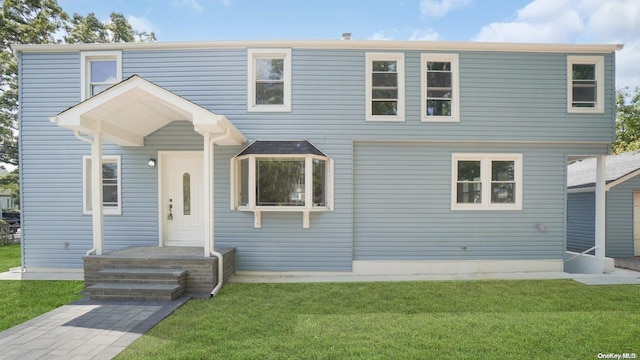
(84, 329)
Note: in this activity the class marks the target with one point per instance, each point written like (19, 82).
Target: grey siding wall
(580, 221)
(619, 217)
(403, 210)
(504, 97)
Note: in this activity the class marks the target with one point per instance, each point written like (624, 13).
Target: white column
(96, 190)
(601, 211)
(207, 193)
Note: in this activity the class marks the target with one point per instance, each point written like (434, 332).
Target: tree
(21, 22)
(627, 120)
(42, 22)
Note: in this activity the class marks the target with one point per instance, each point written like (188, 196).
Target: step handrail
(582, 253)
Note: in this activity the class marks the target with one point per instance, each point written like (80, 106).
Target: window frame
(376, 56)
(85, 69)
(455, 84)
(486, 181)
(86, 171)
(252, 56)
(598, 62)
(236, 186)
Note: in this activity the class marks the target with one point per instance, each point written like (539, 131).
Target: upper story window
(440, 87)
(282, 176)
(486, 182)
(99, 71)
(111, 186)
(385, 86)
(585, 88)
(269, 85)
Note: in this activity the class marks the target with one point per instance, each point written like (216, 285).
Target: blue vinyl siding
(505, 97)
(619, 218)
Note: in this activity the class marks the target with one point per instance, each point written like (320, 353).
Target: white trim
(446, 267)
(598, 61)
(86, 171)
(252, 56)
(485, 174)
(455, 84)
(370, 58)
(86, 57)
(330, 44)
(581, 190)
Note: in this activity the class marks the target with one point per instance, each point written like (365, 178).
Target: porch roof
(134, 108)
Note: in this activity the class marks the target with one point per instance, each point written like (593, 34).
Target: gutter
(212, 250)
(79, 137)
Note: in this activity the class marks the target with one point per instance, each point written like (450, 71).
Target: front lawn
(9, 257)
(404, 320)
(24, 300)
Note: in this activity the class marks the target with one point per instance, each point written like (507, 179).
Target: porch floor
(166, 252)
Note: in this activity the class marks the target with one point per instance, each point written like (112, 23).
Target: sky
(543, 21)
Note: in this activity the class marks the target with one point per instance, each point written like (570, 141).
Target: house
(6, 198)
(622, 210)
(359, 157)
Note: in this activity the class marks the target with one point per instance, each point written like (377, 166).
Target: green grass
(412, 320)
(24, 300)
(9, 257)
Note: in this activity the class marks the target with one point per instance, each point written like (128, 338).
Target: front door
(181, 198)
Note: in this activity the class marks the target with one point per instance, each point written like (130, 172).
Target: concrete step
(135, 291)
(143, 275)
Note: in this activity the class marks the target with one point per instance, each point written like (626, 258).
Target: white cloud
(578, 21)
(141, 24)
(435, 8)
(226, 3)
(425, 35)
(381, 35)
(193, 4)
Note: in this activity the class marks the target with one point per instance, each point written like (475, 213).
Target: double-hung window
(111, 185)
(486, 182)
(385, 87)
(99, 71)
(585, 88)
(269, 75)
(440, 87)
(281, 176)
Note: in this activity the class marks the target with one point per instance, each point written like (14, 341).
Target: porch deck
(201, 272)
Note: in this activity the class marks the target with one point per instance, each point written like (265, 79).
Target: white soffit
(135, 108)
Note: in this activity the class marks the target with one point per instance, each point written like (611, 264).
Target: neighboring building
(6, 198)
(364, 157)
(623, 205)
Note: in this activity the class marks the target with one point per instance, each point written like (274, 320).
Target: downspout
(212, 250)
(80, 137)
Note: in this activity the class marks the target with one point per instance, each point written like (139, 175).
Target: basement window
(292, 176)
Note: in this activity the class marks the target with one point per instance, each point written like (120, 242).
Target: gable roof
(619, 168)
(130, 110)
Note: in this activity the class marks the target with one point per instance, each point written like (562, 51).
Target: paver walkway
(84, 329)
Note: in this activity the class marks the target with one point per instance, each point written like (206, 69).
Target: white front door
(181, 198)
(636, 223)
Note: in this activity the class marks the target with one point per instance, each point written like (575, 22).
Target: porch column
(96, 190)
(601, 207)
(207, 193)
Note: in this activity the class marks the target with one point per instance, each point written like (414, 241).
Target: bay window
(281, 176)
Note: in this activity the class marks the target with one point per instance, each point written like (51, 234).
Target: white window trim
(455, 84)
(485, 174)
(85, 172)
(252, 55)
(85, 76)
(598, 61)
(235, 182)
(370, 58)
